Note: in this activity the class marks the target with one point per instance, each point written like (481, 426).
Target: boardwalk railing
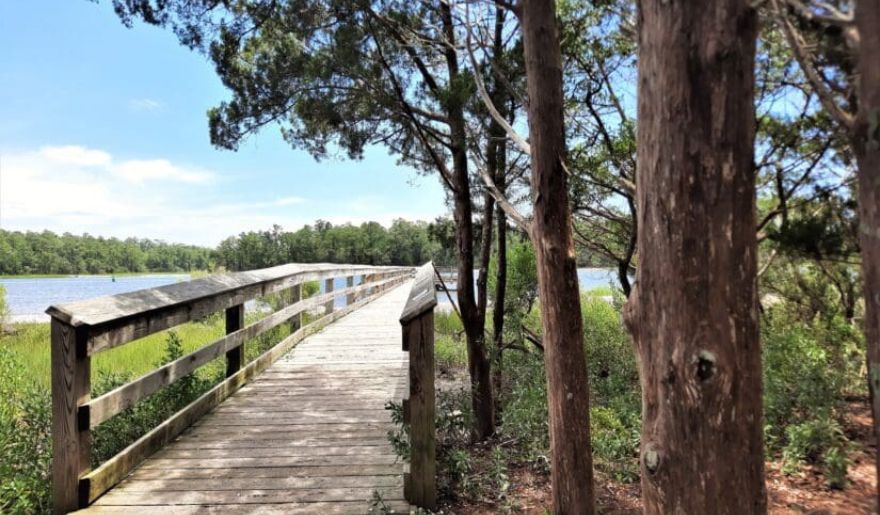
(417, 320)
(82, 329)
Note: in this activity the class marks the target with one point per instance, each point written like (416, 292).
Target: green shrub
(615, 439)
(124, 428)
(614, 376)
(821, 441)
(809, 369)
(4, 308)
(25, 440)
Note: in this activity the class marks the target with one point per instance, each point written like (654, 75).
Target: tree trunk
(693, 312)
(500, 281)
(485, 254)
(868, 152)
(567, 388)
(479, 365)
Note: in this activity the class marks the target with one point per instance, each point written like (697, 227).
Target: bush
(614, 390)
(25, 440)
(809, 368)
(615, 438)
(821, 441)
(124, 428)
(4, 309)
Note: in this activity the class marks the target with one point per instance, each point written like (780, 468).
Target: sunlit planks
(306, 436)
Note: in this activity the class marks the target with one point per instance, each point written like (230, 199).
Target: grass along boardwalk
(309, 435)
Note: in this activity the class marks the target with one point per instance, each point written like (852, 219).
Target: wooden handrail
(82, 329)
(417, 321)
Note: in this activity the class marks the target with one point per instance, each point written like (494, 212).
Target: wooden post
(234, 321)
(328, 287)
(419, 486)
(296, 296)
(417, 321)
(71, 370)
(349, 282)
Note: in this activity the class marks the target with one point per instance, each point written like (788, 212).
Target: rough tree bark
(867, 146)
(693, 312)
(479, 365)
(496, 161)
(567, 388)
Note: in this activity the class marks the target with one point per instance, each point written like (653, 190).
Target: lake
(28, 298)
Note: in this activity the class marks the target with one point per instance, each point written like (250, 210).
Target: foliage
(399, 436)
(449, 349)
(124, 428)
(4, 308)
(812, 362)
(819, 440)
(522, 280)
(25, 439)
(48, 253)
(615, 438)
(30, 345)
(404, 243)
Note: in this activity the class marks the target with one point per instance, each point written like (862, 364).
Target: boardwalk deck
(309, 435)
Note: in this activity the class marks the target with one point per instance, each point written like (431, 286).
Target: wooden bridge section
(302, 428)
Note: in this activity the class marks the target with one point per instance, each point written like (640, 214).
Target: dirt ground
(806, 493)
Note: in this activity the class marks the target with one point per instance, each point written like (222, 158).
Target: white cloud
(139, 171)
(76, 155)
(77, 189)
(288, 201)
(144, 104)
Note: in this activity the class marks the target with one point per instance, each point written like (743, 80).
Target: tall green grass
(30, 347)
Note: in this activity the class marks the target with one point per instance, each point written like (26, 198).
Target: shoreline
(79, 276)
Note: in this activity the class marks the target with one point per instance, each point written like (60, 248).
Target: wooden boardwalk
(308, 435)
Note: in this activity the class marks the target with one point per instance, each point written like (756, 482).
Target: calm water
(29, 298)
(588, 278)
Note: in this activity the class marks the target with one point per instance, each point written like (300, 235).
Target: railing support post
(71, 441)
(417, 321)
(349, 282)
(235, 358)
(328, 287)
(296, 295)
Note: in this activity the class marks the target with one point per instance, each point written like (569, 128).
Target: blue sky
(103, 130)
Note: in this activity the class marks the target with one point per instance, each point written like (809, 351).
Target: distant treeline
(48, 253)
(404, 243)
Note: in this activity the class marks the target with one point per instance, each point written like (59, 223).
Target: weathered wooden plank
(71, 439)
(224, 442)
(418, 336)
(94, 312)
(267, 472)
(257, 483)
(313, 430)
(118, 319)
(125, 396)
(422, 296)
(219, 497)
(283, 461)
(112, 471)
(274, 452)
(295, 508)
